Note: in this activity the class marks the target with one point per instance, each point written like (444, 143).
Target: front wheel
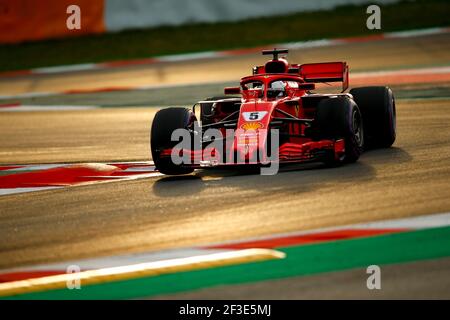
(165, 122)
(340, 118)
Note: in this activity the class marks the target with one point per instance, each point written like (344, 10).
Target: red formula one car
(276, 119)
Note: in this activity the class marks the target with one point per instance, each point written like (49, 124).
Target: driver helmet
(279, 86)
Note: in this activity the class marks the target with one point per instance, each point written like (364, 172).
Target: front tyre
(165, 122)
(340, 118)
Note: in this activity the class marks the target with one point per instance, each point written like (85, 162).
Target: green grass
(343, 21)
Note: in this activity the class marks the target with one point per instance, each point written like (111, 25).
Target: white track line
(413, 223)
(10, 191)
(354, 75)
(135, 173)
(120, 260)
(23, 108)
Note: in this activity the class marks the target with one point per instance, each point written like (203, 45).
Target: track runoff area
(391, 239)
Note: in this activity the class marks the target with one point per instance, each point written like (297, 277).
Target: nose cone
(251, 133)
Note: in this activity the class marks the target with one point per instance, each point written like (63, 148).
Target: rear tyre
(165, 122)
(377, 106)
(340, 118)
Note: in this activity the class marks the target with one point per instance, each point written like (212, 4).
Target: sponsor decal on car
(254, 115)
(252, 126)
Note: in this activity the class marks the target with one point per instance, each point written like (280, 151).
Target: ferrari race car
(274, 117)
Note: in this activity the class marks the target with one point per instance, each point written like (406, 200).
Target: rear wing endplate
(325, 72)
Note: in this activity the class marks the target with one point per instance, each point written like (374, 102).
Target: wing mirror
(307, 86)
(232, 90)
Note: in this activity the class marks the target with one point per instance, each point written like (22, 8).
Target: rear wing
(325, 72)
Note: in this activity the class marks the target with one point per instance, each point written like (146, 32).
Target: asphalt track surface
(409, 179)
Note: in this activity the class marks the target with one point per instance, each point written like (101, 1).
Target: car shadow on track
(390, 155)
(296, 178)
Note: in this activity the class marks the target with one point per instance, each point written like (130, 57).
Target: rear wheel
(340, 118)
(165, 122)
(377, 106)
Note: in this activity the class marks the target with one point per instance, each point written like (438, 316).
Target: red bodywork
(258, 111)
